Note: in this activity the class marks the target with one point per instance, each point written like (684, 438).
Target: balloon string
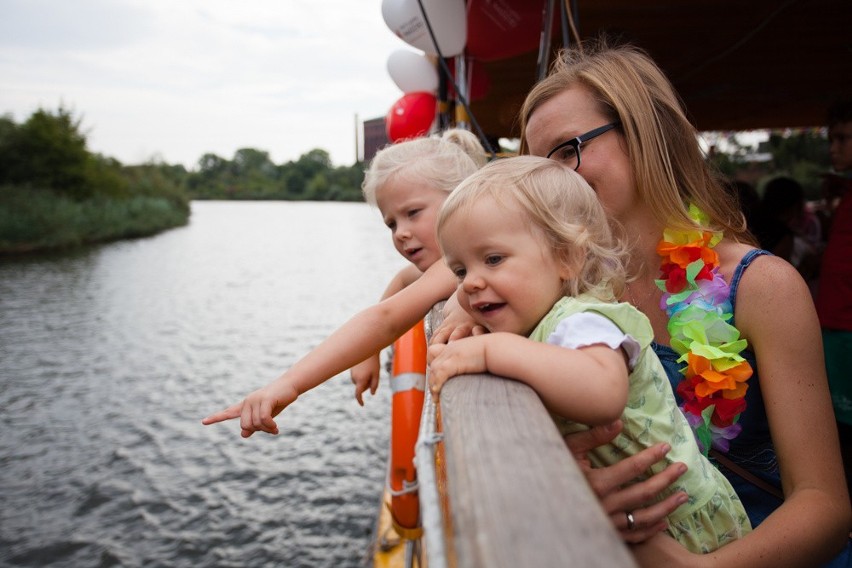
(452, 79)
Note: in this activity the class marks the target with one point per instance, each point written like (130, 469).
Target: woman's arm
(588, 385)
(775, 313)
(366, 333)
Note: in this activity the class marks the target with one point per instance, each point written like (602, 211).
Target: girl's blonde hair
(668, 165)
(559, 203)
(440, 161)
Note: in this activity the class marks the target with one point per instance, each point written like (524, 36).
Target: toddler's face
(409, 209)
(508, 277)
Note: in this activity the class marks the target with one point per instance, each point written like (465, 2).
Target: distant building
(374, 136)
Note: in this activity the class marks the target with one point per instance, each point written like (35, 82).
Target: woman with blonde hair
(755, 391)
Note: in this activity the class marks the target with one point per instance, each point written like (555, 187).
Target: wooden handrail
(516, 495)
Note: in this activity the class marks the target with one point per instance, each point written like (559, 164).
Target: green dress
(713, 516)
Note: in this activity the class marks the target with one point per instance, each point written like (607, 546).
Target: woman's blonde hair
(559, 203)
(667, 163)
(440, 161)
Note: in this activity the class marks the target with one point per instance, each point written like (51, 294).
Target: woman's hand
(637, 499)
(365, 375)
(457, 323)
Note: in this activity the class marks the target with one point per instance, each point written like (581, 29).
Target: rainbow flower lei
(696, 299)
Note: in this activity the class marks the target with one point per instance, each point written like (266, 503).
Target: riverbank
(38, 220)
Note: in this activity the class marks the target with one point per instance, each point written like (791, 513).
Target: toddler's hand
(366, 375)
(457, 358)
(457, 323)
(256, 412)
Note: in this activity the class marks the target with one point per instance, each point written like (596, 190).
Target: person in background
(748, 199)
(611, 114)
(834, 293)
(786, 228)
(539, 268)
(838, 181)
(771, 232)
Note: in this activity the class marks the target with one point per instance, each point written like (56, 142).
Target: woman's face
(604, 162)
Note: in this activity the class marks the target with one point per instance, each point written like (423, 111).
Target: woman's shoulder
(766, 268)
(767, 287)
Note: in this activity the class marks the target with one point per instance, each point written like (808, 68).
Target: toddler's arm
(365, 334)
(365, 375)
(588, 384)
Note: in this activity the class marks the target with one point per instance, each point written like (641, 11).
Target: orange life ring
(408, 381)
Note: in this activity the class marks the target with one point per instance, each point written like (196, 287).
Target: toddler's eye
(493, 259)
(413, 212)
(460, 273)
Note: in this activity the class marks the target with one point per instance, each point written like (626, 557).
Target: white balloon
(448, 19)
(412, 72)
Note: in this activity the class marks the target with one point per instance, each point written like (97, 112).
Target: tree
(253, 175)
(211, 165)
(48, 151)
(248, 162)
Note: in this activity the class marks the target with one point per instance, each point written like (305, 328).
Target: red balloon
(411, 116)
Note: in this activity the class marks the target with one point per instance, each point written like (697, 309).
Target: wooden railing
(515, 497)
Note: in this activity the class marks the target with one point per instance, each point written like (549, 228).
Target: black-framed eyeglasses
(569, 151)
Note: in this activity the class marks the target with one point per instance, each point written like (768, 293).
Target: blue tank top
(752, 449)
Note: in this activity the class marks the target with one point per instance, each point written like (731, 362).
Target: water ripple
(110, 356)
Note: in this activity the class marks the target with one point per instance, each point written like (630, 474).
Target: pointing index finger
(228, 414)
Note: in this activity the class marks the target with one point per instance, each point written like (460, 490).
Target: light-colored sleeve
(589, 328)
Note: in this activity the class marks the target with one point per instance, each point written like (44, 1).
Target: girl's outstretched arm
(364, 334)
(588, 385)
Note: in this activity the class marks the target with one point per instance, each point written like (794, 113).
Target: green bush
(54, 193)
(40, 219)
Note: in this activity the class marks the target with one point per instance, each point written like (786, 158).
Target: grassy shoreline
(39, 220)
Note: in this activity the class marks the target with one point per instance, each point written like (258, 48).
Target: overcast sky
(175, 79)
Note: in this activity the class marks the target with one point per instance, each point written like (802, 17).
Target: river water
(111, 355)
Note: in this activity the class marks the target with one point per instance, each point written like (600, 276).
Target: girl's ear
(571, 263)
